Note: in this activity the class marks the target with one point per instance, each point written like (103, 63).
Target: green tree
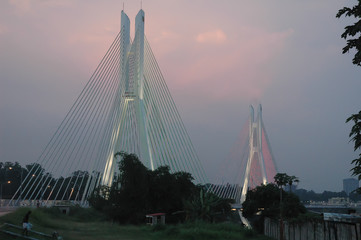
(291, 181)
(264, 198)
(282, 180)
(138, 191)
(167, 191)
(99, 197)
(264, 201)
(206, 206)
(352, 32)
(130, 201)
(355, 135)
(11, 175)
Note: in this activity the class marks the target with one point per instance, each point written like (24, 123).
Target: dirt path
(6, 210)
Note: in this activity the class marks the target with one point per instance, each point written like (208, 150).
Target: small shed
(65, 209)
(155, 218)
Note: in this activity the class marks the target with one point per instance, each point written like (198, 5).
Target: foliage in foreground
(266, 198)
(264, 201)
(138, 191)
(79, 225)
(352, 32)
(208, 207)
(201, 230)
(355, 136)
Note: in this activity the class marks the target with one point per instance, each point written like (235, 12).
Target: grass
(91, 225)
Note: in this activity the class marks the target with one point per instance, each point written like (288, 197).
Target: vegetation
(355, 136)
(32, 175)
(307, 196)
(282, 180)
(272, 201)
(352, 33)
(90, 225)
(11, 175)
(138, 191)
(206, 206)
(265, 200)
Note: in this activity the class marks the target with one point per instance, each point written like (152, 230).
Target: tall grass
(203, 231)
(91, 225)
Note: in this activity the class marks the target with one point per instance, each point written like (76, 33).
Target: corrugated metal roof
(338, 217)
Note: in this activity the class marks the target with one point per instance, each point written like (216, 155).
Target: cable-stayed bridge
(126, 106)
(250, 163)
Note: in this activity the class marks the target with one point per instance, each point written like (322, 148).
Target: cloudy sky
(217, 57)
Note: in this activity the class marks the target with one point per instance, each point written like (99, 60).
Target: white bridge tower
(132, 65)
(125, 106)
(255, 150)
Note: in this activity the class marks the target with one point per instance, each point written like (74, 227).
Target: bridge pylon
(126, 106)
(250, 162)
(255, 150)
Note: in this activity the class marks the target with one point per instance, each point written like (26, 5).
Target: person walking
(26, 224)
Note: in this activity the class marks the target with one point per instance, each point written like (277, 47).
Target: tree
(11, 176)
(264, 201)
(98, 198)
(138, 191)
(352, 33)
(355, 135)
(130, 201)
(282, 179)
(291, 180)
(265, 198)
(168, 191)
(206, 206)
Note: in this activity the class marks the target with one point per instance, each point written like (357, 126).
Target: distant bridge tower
(255, 156)
(249, 164)
(256, 161)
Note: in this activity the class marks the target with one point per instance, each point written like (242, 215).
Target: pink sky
(217, 58)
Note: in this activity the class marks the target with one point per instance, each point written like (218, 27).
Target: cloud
(214, 37)
(238, 69)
